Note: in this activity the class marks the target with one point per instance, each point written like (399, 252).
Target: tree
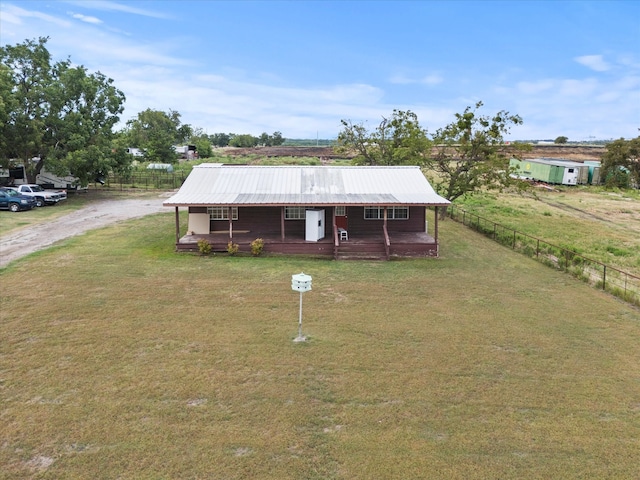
(243, 141)
(621, 162)
(202, 142)
(470, 153)
(276, 139)
(267, 140)
(156, 133)
(61, 115)
(561, 139)
(399, 140)
(220, 139)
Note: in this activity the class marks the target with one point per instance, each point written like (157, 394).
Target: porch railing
(387, 241)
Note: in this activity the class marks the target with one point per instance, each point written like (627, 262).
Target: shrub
(204, 247)
(232, 248)
(257, 246)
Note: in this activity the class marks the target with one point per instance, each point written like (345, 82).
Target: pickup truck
(42, 196)
(12, 200)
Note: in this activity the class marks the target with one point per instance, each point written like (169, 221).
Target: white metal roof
(218, 184)
(556, 162)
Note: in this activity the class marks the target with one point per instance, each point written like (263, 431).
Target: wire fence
(610, 279)
(151, 180)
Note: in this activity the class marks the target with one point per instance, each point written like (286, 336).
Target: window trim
(295, 212)
(223, 213)
(392, 213)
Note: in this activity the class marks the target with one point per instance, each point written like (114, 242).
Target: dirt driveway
(96, 215)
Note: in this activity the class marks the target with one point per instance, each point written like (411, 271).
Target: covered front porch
(363, 246)
(365, 238)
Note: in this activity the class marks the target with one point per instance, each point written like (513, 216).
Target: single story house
(335, 211)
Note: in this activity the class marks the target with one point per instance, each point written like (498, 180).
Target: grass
(122, 359)
(600, 224)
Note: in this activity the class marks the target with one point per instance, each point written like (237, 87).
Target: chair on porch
(344, 235)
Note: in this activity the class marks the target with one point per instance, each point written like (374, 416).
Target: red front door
(341, 218)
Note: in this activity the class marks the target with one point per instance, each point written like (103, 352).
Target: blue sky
(567, 68)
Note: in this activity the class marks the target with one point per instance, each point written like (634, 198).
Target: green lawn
(122, 359)
(601, 224)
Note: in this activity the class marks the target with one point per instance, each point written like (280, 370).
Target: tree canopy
(156, 132)
(61, 115)
(621, 162)
(468, 154)
(246, 140)
(399, 140)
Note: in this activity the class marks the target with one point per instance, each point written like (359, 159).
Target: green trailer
(594, 171)
(548, 170)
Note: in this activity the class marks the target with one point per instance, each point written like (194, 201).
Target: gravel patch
(96, 215)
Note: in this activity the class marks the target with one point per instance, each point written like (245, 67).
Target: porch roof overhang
(321, 186)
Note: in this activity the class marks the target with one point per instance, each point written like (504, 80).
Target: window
(341, 211)
(222, 213)
(398, 213)
(295, 213)
(393, 213)
(373, 213)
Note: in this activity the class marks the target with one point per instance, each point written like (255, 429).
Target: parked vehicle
(12, 200)
(15, 176)
(41, 196)
(50, 180)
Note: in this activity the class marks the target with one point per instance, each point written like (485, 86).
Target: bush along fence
(610, 279)
(146, 180)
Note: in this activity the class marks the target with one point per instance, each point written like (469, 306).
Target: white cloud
(86, 18)
(402, 79)
(19, 16)
(594, 62)
(166, 74)
(109, 6)
(432, 79)
(531, 88)
(577, 108)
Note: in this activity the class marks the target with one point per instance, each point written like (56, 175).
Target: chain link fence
(610, 279)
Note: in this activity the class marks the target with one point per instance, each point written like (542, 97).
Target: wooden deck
(405, 244)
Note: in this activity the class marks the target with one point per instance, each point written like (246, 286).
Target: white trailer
(50, 180)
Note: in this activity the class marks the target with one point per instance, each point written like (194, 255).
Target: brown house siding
(266, 221)
(415, 222)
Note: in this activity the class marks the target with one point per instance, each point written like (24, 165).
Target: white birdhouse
(301, 282)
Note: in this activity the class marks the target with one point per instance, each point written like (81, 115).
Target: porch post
(282, 222)
(435, 231)
(385, 217)
(177, 226)
(230, 223)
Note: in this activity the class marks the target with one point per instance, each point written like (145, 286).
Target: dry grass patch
(136, 362)
(600, 224)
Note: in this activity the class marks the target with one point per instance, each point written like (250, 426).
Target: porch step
(360, 251)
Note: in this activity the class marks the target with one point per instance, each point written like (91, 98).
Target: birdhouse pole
(300, 283)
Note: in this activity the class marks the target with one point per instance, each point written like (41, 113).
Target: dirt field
(570, 152)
